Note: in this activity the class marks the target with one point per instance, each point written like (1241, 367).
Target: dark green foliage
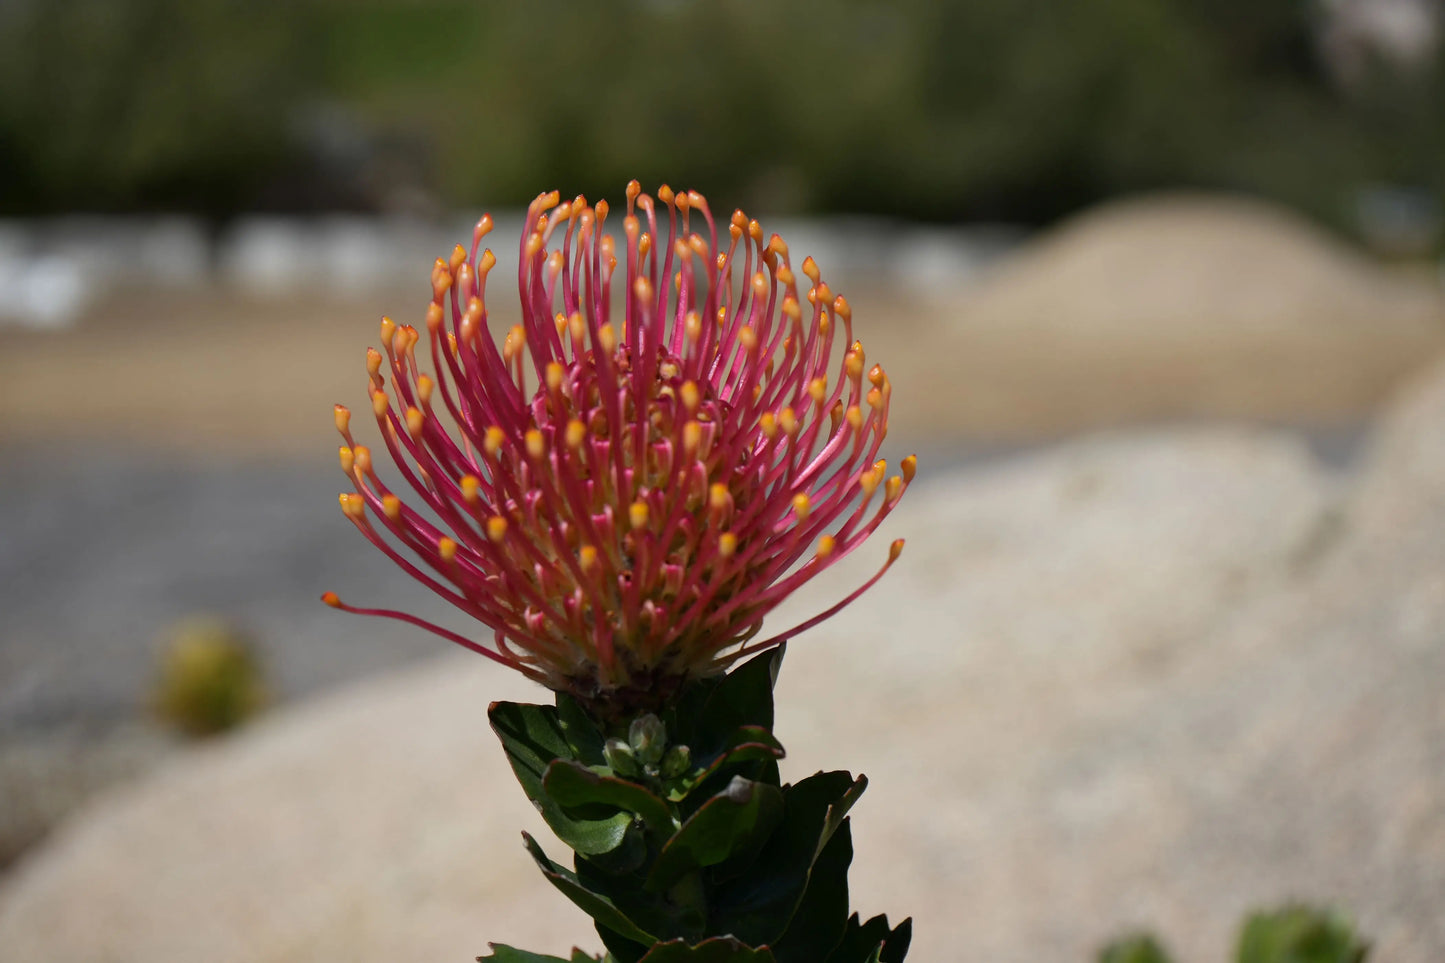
(1293, 934)
(1299, 934)
(1020, 110)
(1139, 948)
(697, 855)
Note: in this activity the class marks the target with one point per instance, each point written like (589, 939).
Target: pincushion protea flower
(623, 502)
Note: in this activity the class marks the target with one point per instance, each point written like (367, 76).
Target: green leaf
(599, 907)
(873, 941)
(756, 908)
(721, 949)
(533, 738)
(731, 825)
(1135, 948)
(581, 732)
(818, 925)
(572, 785)
(1299, 934)
(744, 697)
(502, 953)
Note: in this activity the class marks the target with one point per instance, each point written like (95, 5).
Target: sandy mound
(1176, 306)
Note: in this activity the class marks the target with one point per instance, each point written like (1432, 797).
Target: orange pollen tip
(434, 316)
(379, 403)
(486, 262)
(893, 488)
(727, 544)
(373, 361)
(826, 544)
(414, 421)
(492, 440)
(810, 268)
(644, 245)
(818, 389)
(534, 244)
(643, 289)
(391, 506)
(536, 446)
(785, 275)
(458, 258)
(388, 330)
(471, 487)
(791, 309)
(802, 505)
(789, 421)
(602, 208)
(909, 467)
(895, 550)
(868, 481)
(875, 375)
(637, 514)
(587, 558)
(343, 418)
(424, 386)
(362, 457)
(446, 548)
(748, 338)
(760, 285)
(555, 373)
(777, 245)
(496, 528)
(347, 459)
(331, 599)
(664, 194)
(692, 324)
(483, 228)
(576, 433)
(841, 308)
(875, 398)
(353, 504)
(855, 417)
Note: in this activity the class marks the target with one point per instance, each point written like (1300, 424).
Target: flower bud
(648, 737)
(619, 756)
(676, 762)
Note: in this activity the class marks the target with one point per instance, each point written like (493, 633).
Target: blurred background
(1151, 278)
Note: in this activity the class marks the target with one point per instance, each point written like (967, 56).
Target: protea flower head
(623, 500)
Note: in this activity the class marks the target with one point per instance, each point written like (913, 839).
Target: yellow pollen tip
(388, 330)
(607, 338)
(692, 324)
(492, 440)
(644, 245)
(760, 285)
(664, 194)
(486, 262)
(343, 418)
(534, 244)
(391, 506)
(555, 374)
(643, 289)
(718, 496)
(785, 276)
(587, 558)
(776, 245)
(826, 544)
(535, 444)
(802, 505)
(353, 504)
(637, 514)
(727, 544)
(842, 309)
(373, 361)
(331, 599)
(875, 375)
(446, 548)
(875, 398)
(496, 528)
(692, 437)
(361, 456)
(789, 422)
(895, 550)
(379, 403)
(791, 308)
(909, 467)
(434, 316)
(818, 389)
(576, 434)
(691, 395)
(893, 488)
(810, 268)
(424, 386)
(854, 416)
(414, 421)
(471, 487)
(768, 425)
(458, 258)
(347, 459)
(748, 338)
